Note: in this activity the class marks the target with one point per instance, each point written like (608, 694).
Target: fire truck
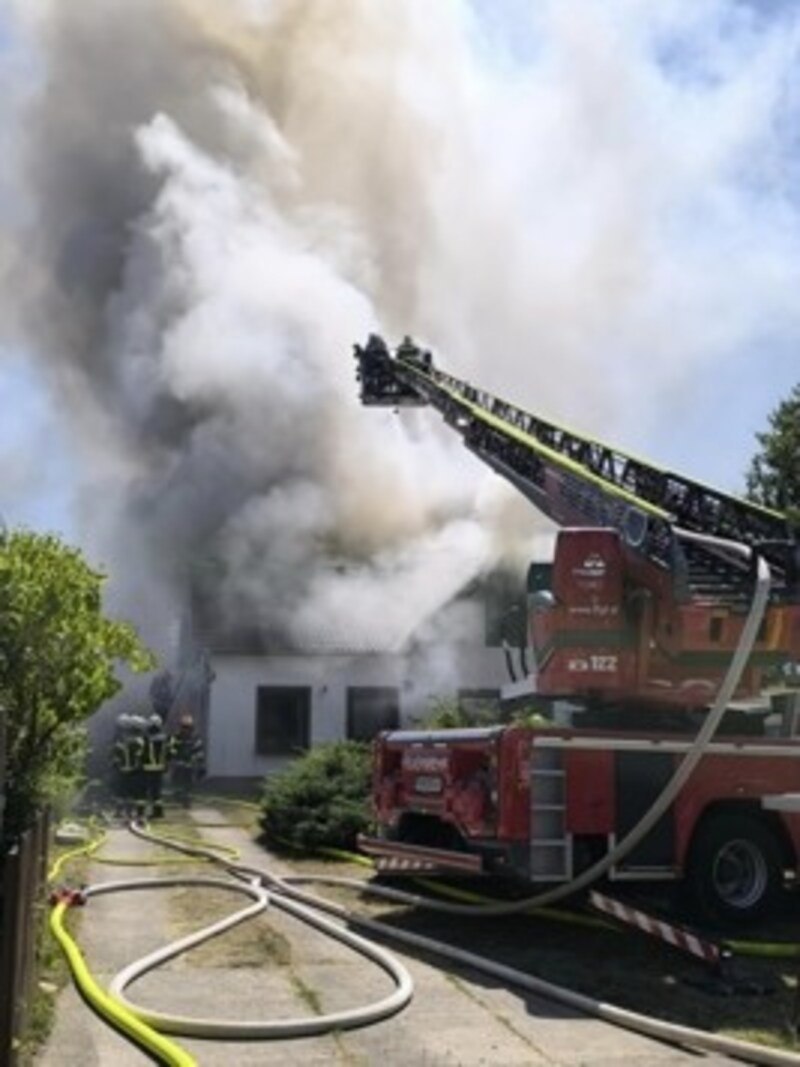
(633, 628)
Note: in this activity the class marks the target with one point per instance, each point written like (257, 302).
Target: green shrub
(444, 714)
(532, 716)
(320, 800)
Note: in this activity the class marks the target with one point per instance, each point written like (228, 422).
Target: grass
(306, 993)
(52, 975)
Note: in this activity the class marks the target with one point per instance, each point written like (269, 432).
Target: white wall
(421, 676)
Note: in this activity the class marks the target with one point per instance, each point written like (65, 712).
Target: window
(479, 705)
(371, 709)
(283, 715)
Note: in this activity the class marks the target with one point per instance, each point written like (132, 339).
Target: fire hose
(307, 1027)
(146, 1027)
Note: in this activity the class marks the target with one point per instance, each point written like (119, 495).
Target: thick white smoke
(221, 199)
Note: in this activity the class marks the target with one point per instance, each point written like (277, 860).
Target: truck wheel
(735, 873)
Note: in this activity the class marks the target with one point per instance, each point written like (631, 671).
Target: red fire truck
(633, 628)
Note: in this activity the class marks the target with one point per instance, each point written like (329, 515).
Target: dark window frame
(283, 740)
(391, 691)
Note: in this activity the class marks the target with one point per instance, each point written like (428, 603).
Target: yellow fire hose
(120, 1017)
(112, 1009)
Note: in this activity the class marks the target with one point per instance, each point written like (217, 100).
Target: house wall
(421, 676)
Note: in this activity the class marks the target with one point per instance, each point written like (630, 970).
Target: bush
(447, 714)
(322, 799)
(444, 714)
(531, 716)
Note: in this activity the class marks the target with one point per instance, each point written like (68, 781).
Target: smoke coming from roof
(222, 198)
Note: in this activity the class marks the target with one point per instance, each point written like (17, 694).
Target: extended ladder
(579, 481)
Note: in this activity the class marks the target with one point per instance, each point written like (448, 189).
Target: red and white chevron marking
(439, 858)
(673, 935)
(398, 864)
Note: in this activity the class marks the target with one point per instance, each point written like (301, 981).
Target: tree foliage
(58, 653)
(774, 475)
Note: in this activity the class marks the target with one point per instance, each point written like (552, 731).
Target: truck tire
(735, 874)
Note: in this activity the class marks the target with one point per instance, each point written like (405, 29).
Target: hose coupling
(68, 895)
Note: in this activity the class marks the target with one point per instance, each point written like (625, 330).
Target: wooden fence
(23, 878)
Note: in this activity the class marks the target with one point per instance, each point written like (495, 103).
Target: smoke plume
(219, 199)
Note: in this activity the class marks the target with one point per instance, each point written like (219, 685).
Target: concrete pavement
(277, 967)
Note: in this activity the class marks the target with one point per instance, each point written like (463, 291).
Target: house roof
(239, 639)
(209, 627)
(221, 632)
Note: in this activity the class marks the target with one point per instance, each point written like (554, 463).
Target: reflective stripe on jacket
(186, 750)
(127, 754)
(155, 752)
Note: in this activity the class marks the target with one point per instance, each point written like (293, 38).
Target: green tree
(774, 475)
(58, 652)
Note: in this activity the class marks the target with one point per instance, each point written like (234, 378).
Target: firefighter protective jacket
(155, 752)
(128, 754)
(186, 750)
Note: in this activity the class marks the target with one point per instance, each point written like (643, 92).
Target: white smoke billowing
(223, 198)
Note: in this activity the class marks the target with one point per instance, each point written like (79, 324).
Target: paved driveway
(276, 967)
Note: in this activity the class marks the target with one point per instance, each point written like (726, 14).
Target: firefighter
(118, 780)
(154, 764)
(186, 758)
(126, 758)
(136, 749)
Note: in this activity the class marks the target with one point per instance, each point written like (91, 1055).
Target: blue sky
(724, 407)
